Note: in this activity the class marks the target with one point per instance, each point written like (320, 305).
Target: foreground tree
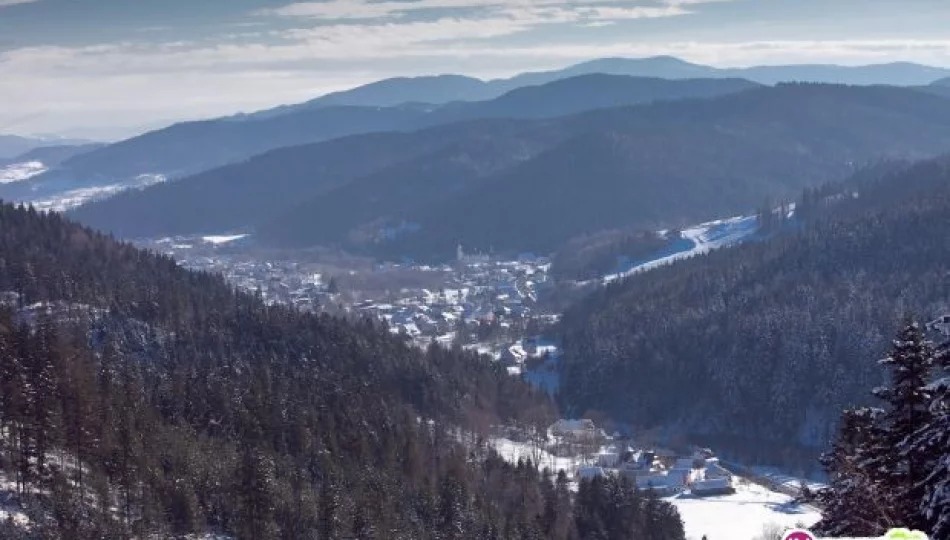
(885, 467)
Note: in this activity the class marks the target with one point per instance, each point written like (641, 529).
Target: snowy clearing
(704, 238)
(740, 516)
(512, 451)
(18, 172)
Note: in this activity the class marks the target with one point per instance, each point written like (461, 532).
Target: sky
(111, 68)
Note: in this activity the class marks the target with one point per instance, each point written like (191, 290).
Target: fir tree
(898, 466)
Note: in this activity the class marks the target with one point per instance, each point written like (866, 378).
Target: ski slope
(701, 239)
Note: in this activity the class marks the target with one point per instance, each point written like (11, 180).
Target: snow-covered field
(66, 200)
(741, 516)
(21, 171)
(701, 239)
(513, 451)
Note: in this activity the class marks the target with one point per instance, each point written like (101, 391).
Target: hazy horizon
(106, 69)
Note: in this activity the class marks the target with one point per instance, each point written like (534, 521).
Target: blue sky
(110, 67)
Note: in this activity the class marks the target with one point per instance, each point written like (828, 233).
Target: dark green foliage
(886, 467)
(194, 408)
(759, 347)
(589, 257)
(673, 164)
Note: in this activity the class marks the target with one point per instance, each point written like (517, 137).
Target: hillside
(12, 146)
(196, 409)
(54, 155)
(241, 195)
(187, 148)
(770, 340)
(673, 164)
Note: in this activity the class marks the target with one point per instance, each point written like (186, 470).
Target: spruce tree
(898, 465)
(932, 444)
(851, 503)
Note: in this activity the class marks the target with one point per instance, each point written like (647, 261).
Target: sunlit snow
(66, 200)
(18, 172)
(218, 240)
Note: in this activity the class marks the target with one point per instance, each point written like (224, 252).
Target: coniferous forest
(139, 400)
(757, 349)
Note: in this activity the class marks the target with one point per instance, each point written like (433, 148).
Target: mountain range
(192, 147)
(12, 146)
(536, 183)
(447, 88)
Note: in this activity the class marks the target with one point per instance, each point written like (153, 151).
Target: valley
(614, 299)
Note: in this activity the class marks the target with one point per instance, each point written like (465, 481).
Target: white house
(712, 487)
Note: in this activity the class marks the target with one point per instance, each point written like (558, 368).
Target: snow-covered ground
(513, 451)
(66, 200)
(9, 507)
(741, 516)
(771, 474)
(222, 239)
(700, 239)
(546, 376)
(21, 171)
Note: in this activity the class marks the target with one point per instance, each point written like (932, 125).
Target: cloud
(363, 9)
(5, 3)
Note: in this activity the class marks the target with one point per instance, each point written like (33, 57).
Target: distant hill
(530, 185)
(243, 194)
(942, 82)
(195, 146)
(588, 92)
(770, 340)
(191, 147)
(446, 88)
(12, 146)
(668, 165)
(54, 155)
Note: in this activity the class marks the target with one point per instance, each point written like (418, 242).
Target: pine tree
(897, 464)
(932, 445)
(851, 504)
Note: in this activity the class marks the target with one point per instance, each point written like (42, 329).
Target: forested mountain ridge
(672, 164)
(770, 340)
(190, 147)
(272, 184)
(651, 166)
(195, 408)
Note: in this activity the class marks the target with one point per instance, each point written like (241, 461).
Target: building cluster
(478, 302)
(661, 470)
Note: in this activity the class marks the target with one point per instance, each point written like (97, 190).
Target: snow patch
(222, 239)
(18, 172)
(69, 199)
